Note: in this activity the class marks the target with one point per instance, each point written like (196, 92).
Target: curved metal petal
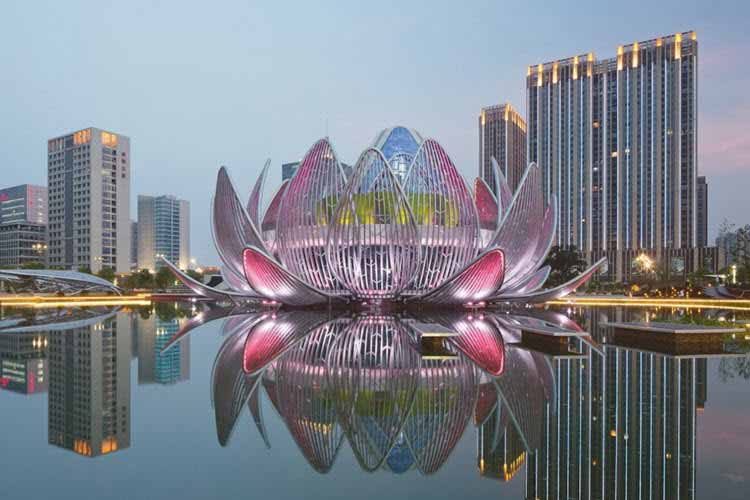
(486, 403)
(306, 211)
(521, 391)
(232, 228)
(201, 289)
(505, 195)
(487, 207)
(373, 244)
(518, 236)
(557, 292)
(543, 244)
(275, 282)
(273, 336)
(253, 203)
(253, 404)
(236, 283)
(446, 217)
(476, 282)
(374, 372)
(481, 342)
(530, 284)
(271, 216)
(307, 401)
(231, 386)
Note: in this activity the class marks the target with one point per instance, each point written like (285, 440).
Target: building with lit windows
(616, 140)
(702, 212)
(163, 231)
(623, 424)
(88, 175)
(23, 363)
(89, 387)
(23, 225)
(502, 136)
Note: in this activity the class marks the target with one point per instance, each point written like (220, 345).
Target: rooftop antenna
(326, 126)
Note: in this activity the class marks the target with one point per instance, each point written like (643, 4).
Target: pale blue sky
(200, 84)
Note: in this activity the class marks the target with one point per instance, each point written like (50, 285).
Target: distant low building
(23, 225)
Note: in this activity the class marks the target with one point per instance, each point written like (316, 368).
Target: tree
(565, 264)
(107, 273)
(195, 275)
(164, 278)
(32, 265)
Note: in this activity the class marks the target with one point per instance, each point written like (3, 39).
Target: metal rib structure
(253, 203)
(445, 213)
(445, 402)
(526, 211)
(403, 227)
(275, 282)
(535, 258)
(373, 245)
(374, 371)
(230, 386)
(307, 401)
(531, 283)
(273, 336)
(560, 291)
(479, 340)
(306, 212)
(478, 281)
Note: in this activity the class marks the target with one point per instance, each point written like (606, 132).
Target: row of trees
(141, 279)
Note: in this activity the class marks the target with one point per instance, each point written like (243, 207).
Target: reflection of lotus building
(366, 381)
(404, 226)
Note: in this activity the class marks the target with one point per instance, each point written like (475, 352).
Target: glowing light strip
(74, 300)
(729, 304)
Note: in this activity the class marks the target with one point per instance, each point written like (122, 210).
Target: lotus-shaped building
(403, 227)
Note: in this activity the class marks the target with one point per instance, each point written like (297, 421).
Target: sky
(196, 85)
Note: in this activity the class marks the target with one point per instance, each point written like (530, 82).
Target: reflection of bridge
(364, 380)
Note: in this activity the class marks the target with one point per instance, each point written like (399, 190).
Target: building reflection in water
(89, 390)
(595, 420)
(155, 366)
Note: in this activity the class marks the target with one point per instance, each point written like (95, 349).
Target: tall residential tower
(616, 142)
(88, 175)
(23, 225)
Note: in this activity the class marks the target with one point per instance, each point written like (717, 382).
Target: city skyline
(300, 111)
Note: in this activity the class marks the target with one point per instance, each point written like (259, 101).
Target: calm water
(343, 407)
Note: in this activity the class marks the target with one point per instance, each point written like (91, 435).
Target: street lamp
(734, 274)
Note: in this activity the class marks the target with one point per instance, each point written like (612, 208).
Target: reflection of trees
(732, 368)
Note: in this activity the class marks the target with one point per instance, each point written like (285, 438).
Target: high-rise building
(616, 143)
(702, 212)
(88, 175)
(89, 387)
(133, 244)
(23, 225)
(502, 135)
(163, 231)
(155, 366)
